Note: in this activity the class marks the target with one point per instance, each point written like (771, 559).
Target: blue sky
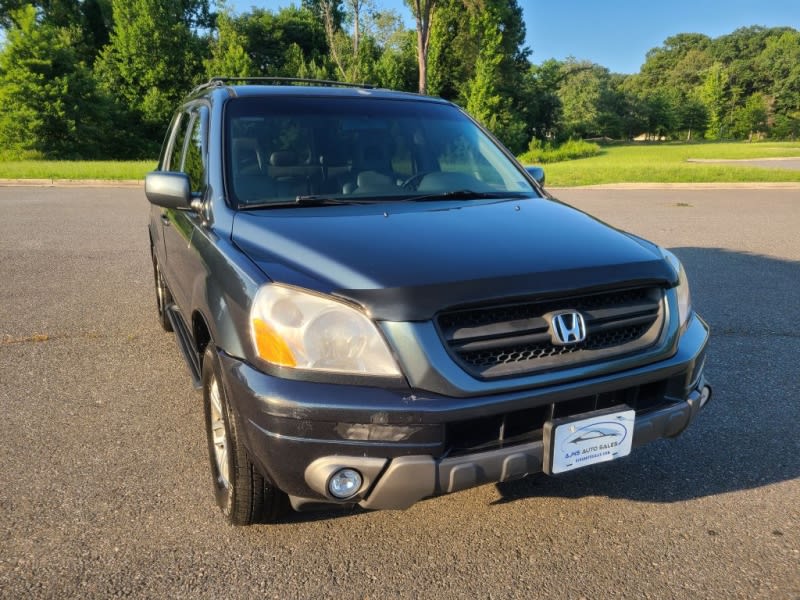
(617, 33)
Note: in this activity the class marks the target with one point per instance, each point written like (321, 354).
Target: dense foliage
(99, 78)
(539, 152)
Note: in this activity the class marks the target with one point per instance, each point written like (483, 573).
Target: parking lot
(105, 488)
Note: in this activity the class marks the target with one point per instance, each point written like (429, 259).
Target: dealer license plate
(573, 443)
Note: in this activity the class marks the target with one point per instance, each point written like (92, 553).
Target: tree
(678, 62)
(714, 94)
(660, 113)
(722, 74)
(284, 44)
(485, 100)
(453, 50)
(52, 107)
(353, 60)
(153, 59)
(780, 64)
(786, 126)
(91, 20)
(692, 116)
(580, 92)
(477, 59)
(396, 68)
(738, 52)
(228, 55)
(751, 119)
(423, 13)
(540, 93)
(318, 7)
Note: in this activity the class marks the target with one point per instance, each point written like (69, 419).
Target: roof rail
(202, 86)
(282, 80)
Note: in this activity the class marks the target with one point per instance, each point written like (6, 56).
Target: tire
(163, 295)
(241, 491)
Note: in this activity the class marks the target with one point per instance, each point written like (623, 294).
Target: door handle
(165, 219)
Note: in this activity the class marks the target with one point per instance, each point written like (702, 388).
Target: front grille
(516, 339)
(524, 426)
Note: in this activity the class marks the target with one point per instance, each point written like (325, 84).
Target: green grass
(634, 163)
(75, 169)
(666, 163)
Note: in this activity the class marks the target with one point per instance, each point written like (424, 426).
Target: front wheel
(241, 491)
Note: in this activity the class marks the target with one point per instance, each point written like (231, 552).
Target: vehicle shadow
(747, 436)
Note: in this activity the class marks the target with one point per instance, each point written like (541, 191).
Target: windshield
(288, 149)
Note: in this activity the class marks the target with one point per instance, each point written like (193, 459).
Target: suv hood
(407, 260)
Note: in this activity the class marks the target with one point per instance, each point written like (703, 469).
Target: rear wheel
(163, 295)
(241, 491)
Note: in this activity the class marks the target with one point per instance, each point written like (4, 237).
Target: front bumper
(409, 445)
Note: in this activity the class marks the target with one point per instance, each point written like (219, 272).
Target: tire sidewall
(222, 494)
(163, 295)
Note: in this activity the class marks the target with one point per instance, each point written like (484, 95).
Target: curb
(91, 183)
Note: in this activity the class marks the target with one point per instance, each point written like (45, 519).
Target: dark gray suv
(381, 305)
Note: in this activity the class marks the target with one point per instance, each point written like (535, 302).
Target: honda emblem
(568, 328)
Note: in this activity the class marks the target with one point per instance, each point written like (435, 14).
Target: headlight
(301, 330)
(684, 297)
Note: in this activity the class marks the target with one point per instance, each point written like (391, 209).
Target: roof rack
(219, 81)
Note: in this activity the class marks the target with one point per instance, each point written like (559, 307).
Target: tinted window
(375, 148)
(176, 150)
(194, 156)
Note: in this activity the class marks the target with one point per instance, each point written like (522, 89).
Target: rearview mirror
(537, 173)
(168, 189)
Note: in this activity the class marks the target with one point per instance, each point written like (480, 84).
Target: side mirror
(167, 189)
(537, 173)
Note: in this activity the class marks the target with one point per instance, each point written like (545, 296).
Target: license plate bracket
(588, 439)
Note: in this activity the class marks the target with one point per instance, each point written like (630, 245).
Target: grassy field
(634, 163)
(75, 169)
(667, 163)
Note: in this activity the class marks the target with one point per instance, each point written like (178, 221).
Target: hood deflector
(421, 303)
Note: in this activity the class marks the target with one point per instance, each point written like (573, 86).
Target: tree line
(100, 78)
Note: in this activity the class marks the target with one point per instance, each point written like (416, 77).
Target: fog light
(344, 483)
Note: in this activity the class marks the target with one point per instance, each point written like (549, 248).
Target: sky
(616, 33)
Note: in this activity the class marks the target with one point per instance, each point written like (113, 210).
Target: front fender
(222, 291)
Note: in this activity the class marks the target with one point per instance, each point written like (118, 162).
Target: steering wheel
(412, 183)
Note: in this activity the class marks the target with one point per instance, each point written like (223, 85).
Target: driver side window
(174, 160)
(194, 156)
(188, 151)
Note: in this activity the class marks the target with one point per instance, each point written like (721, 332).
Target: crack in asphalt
(40, 338)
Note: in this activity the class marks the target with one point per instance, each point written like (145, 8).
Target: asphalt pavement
(105, 489)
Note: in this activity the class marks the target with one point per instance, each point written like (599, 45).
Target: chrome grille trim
(516, 339)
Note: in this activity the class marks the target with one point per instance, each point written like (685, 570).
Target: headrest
(370, 180)
(284, 158)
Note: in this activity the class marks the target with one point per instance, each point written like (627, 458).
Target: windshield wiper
(320, 200)
(300, 201)
(463, 195)
(329, 200)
